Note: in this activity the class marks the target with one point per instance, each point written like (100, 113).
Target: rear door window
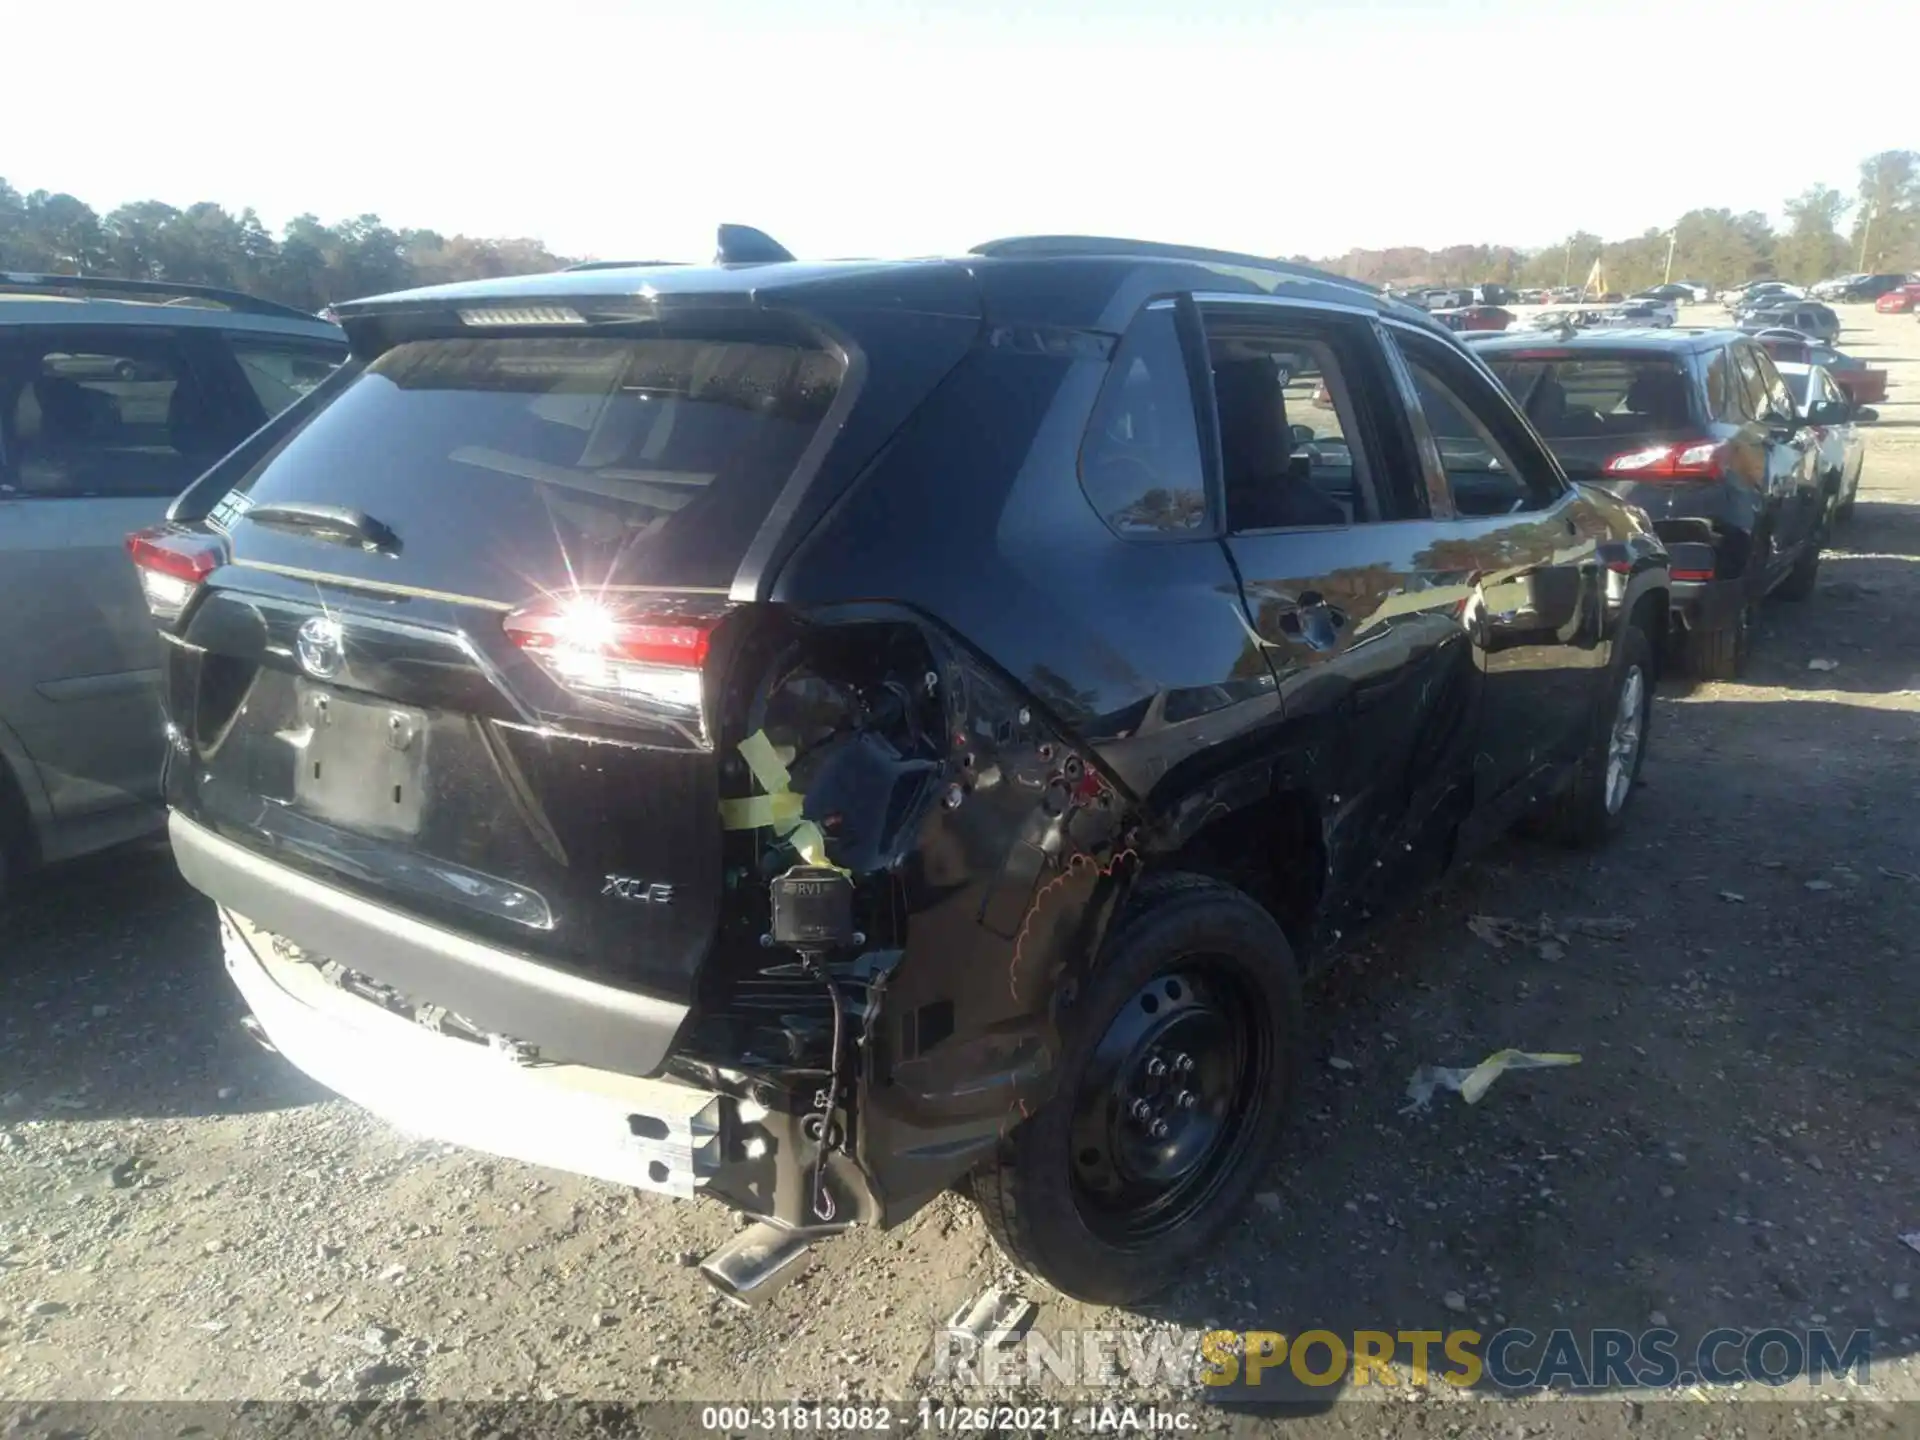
(1778, 404)
(1752, 389)
(1493, 466)
(507, 465)
(90, 411)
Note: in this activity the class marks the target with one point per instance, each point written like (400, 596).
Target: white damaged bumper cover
(653, 1134)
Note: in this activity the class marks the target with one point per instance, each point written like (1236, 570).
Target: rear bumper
(653, 1134)
(562, 1015)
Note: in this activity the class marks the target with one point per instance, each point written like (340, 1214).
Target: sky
(914, 127)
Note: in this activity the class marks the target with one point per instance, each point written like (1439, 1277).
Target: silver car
(114, 396)
(1833, 421)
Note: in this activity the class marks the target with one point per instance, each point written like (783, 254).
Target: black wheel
(1178, 1069)
(1594, 803)
(1805, 574)
(1721, 653)
(1845, 512)
(124, 370)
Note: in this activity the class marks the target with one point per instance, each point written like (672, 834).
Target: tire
(125, 370)
(1062, 1196)
(1593, 806)
(1799, 581)
(1721, 653)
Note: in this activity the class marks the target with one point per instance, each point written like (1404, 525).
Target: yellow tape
(778, 809)
(1475, 1084)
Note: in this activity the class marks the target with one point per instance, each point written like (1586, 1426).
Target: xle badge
(641, 892)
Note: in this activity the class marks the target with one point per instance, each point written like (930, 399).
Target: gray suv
(114, 396)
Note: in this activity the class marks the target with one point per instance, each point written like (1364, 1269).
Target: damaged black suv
(815, 734)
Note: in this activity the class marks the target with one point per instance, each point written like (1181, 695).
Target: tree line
(310, 264)
(1827, 233)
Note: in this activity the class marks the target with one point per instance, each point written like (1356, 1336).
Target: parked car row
(1858, 289)
(604, 673)
(1742, 464)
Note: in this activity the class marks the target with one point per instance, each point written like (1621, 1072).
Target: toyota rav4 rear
(796, 734)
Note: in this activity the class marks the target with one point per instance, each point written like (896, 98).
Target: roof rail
(616, 265)
(238, 301)
(1045, 246)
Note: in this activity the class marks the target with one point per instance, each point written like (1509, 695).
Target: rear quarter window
(508, 465)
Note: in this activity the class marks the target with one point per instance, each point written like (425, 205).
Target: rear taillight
(1683, 460)
(618, 649)
(171, 565)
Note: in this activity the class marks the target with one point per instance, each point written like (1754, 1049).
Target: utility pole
(1566, 271)
(1673, 239)
(1866, 229)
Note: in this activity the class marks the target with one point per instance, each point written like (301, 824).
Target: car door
(1527, 548)
(99, 427)
(1797, 451)
(1776, 454)
(1328, 528)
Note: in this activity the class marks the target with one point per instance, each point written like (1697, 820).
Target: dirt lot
(182, 1215)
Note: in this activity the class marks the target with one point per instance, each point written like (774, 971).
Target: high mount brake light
(614, 648)
(172, 564)
(1682, 460)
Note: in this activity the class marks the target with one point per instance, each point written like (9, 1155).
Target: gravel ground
(182, 1216)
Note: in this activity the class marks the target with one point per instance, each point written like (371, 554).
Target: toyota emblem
(322, 649)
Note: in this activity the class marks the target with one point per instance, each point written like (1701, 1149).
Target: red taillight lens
(171, 564)
(1699, 575)
(1683, 460)
(616, 648)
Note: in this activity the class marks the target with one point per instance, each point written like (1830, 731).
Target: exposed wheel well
(1271, 850)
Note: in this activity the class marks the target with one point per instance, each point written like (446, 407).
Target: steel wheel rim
(1169, 1100)
(1623, 741)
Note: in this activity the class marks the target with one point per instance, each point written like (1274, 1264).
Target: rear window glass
(506, 465)
(1573, 398)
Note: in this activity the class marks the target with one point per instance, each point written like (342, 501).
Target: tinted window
(510, 464)
(279, 372)
(1752, 389)
(1140, 463)
(1721, 388)
(1288, 458)
(1579, 397)
(1476, 441)
(86, 412)
(1779, 402)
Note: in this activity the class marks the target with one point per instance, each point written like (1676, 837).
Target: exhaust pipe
(757, 1262)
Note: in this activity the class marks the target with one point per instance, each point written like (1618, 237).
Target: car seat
(1266, 486)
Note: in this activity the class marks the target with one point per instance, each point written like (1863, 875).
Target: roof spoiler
(165, 292)
(744, 245)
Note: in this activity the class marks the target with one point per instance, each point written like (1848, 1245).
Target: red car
(1475, 317)
(1901, 301)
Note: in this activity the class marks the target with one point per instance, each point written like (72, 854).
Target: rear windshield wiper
(335, 524)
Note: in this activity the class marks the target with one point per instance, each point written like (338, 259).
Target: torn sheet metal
(1472, 1083)
(780, 808)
